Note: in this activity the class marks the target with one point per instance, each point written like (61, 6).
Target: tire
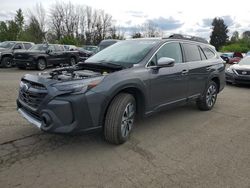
(72, 61)
(120, 119)
(207, 101)
(7, 62)
(41, 64)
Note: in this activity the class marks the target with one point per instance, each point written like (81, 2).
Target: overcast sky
(191, 17)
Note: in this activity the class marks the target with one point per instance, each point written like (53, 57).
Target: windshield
(7, 44)
(125, 52)
(245, 61)
(90, 48)
(40, 47)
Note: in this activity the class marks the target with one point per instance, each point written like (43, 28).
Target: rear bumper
(237, 79)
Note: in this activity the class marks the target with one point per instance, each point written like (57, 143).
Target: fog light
(46, 120)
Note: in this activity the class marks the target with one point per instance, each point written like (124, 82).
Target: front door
(168, 85)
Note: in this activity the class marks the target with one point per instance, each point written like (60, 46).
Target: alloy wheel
(211, 95)
(127, 119)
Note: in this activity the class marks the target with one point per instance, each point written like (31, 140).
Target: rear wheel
(41, 64)
(7, 62)
(120, 119)
(207, 101)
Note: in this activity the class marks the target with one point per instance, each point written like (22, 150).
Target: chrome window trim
(168, 42)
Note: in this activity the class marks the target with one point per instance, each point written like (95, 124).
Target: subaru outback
(131, 78)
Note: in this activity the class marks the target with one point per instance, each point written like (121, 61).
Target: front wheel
(7, 62)
(41, 64)
(207, 101)
(120, 119)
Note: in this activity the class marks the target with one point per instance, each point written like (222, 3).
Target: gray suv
(131, 78)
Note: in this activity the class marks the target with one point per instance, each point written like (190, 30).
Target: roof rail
(187, 37)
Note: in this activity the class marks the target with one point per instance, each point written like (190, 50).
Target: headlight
(80, 86)
(230, 70)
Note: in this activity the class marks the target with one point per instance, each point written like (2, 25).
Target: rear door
(168, 85)
(27, 45)
(60, 54)
(52, 55)
(198, 68)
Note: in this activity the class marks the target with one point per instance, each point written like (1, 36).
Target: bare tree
(81, 22)
(150, 30)
(57, 19)
(41, 16)
(106, 23)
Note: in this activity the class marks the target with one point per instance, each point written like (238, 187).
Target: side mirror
(165, 62)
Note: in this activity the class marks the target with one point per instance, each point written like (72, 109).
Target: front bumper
(67, 113)
(30, 118)
(237, 79)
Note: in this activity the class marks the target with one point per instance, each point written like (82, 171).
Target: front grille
(242, 72)
(32, 94)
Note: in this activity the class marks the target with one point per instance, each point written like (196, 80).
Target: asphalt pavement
(182, 147)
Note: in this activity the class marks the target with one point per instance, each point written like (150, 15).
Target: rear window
(208, 52)
(191, 52)
(27, 45)
(203, 57)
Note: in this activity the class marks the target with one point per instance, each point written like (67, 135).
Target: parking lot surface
(183, 147)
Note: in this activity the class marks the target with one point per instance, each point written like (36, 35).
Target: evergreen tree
(137, 35)
(3, 31)
(219, 35)
(19, 20)
(246, 35)
(33, 32)
(235, 37)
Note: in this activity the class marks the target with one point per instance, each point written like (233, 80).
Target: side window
(18, 46)
(27, 45)
(171, 50)
(52, 48)
(59, 48)
(191, 52)
(209, 53)
(203, 57)
(62, 48)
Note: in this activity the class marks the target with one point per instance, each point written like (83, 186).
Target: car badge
(244, 72)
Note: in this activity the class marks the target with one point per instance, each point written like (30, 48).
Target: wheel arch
(42, 57)
(136, 92)
(217, 81)
(6, 55)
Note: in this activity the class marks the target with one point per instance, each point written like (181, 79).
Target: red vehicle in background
(237, 56)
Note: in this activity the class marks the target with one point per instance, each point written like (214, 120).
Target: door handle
(184, 72)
